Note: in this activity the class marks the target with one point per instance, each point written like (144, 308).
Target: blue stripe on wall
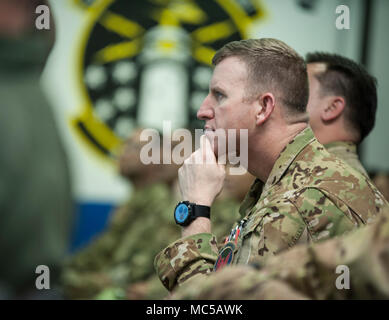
(90, 220)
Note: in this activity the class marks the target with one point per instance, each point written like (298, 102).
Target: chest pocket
(268, 232)
(247, 245)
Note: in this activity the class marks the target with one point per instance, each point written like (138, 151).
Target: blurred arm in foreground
(308, 272)
(35, 195)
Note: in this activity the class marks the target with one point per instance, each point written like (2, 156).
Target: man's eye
(219, 96)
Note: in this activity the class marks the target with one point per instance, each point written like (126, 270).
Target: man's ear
(334, 109)
(265, 104)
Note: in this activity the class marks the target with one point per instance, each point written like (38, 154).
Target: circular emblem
(225, 256)
(145, 61)
(181, 213)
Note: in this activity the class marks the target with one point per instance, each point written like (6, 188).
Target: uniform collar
(283, 162)
(287, 156)
(347, 151)
(341, 145)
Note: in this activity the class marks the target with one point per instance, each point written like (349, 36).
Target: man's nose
(205, 112)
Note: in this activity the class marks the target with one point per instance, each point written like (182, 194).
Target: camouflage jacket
(346, 151)
(354, 266)
(310, 195)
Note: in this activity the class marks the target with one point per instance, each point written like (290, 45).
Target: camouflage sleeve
(356, 261)
(186, 258)
(323, 218)
(314, 272)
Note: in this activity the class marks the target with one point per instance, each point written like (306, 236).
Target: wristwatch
(185, 212)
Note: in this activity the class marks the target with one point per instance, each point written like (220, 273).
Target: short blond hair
(271, 65)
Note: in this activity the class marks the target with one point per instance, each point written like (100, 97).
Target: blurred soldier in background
(342, 104)
(35, 195)
(355, 266)
(228, 202)
(124, 253)
(119, 263)
(381, 180)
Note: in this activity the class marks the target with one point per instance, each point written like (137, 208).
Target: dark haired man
(342, 104)
(261, 85)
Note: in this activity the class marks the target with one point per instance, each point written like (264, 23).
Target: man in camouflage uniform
(309, 272)
(342, 104)
(309, 194)
(280, 277)
(341, 116)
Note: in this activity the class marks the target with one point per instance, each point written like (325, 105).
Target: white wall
(375, 149)
(312, 30)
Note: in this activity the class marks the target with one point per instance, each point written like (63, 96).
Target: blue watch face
(181, 213)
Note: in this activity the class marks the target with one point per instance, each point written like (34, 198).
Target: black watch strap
(201, 211)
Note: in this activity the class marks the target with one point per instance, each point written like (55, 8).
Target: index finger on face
(206, 150)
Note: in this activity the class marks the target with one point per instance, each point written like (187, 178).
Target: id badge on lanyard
(226, 254)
